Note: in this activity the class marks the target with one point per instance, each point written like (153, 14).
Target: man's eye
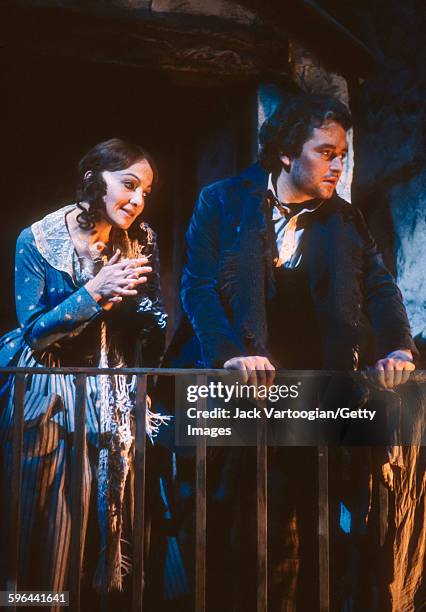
(326, 154)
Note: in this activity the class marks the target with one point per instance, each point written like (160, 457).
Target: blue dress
(60, 324)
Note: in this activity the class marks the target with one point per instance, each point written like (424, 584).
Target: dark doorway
(60, 108)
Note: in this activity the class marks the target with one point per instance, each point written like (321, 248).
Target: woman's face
(126, 191)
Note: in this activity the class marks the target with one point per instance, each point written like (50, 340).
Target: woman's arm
(42, 324)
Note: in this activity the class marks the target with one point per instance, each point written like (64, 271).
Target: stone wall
(224, 9)
(390, 145)
(191, 41)
(389, 107)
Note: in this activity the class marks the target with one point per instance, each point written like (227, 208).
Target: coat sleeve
(384, 304)
(200, 294)
(42, 325)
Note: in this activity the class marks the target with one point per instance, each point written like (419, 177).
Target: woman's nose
(137, 197)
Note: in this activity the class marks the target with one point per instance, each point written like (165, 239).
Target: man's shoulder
(253, 177)
(340, 206)
(350, 213)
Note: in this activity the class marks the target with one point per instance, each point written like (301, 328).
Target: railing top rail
(98, 371)
(153, 371)
(417, 375)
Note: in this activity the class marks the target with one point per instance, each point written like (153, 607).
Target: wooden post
(262, 517)
(383, 512)
(200, 511)
(140, 484)
(323, 530)
(77, 483)
(16, 482)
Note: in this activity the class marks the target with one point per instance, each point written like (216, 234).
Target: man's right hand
(256, 370)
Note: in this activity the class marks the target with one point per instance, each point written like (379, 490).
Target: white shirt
(288, 231)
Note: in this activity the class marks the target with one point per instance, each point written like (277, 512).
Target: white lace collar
(53, 240)
(54, 243)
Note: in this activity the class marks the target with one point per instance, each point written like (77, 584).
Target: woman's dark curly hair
(292, 124)
(112, 155)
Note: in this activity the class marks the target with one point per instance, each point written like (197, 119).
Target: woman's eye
(146, 194)
(129, 185)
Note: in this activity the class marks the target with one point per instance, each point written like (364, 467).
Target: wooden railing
(77, 480)
(142, 375)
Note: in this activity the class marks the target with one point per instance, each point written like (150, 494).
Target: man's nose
(337, 164)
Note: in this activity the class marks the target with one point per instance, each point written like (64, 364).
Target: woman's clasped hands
(118, 278)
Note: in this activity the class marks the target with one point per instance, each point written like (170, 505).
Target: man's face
(314, 174)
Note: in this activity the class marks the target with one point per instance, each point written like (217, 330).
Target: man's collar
(280, 209)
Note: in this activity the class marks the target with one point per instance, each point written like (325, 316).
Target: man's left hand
(394, 369)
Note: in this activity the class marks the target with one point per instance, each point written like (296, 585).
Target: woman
(87, 294)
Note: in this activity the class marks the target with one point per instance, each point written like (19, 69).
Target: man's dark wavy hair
(112, 155)
(292, 124)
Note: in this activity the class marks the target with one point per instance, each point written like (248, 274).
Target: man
(280, 270)
(283, 273)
